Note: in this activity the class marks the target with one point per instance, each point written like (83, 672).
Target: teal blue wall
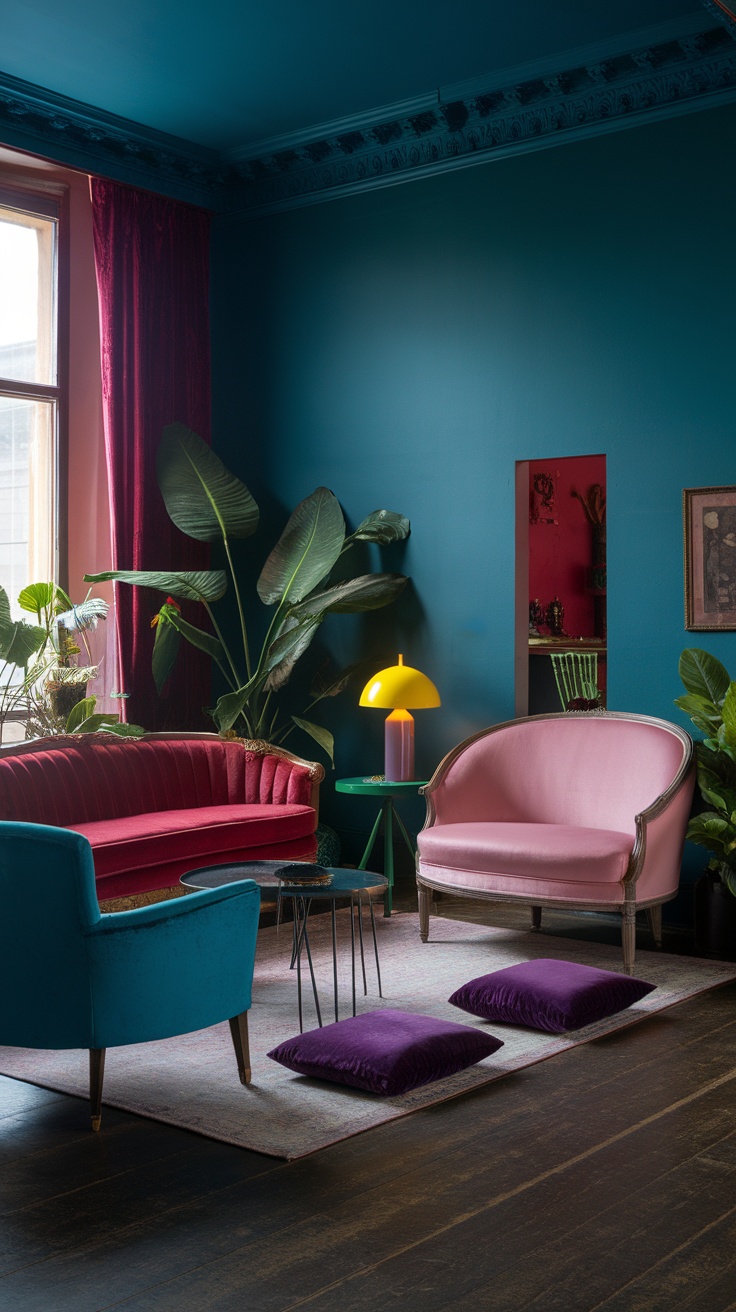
(407, 346)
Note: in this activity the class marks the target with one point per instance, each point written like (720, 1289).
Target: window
(30, 388)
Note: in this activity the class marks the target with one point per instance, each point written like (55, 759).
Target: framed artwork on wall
(709, 515)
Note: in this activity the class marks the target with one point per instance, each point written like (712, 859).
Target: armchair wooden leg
(96, 1077)
(536, 918)
(628, 937)
(654, 916)
(425, 902)
(239, 1035)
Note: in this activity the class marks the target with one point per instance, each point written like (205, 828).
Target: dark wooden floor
(604, 1178)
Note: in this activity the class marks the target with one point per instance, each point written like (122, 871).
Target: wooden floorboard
(603, 1178)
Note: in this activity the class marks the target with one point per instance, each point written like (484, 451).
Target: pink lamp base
(399, 747)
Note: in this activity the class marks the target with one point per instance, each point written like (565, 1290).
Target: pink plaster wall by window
(560, 552)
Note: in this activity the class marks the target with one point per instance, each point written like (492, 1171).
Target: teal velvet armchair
(73, 978)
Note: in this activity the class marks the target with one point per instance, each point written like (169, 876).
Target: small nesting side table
(386, 790)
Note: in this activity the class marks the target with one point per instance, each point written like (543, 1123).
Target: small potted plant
(710, 702)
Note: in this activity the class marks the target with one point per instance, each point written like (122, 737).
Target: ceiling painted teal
(234, 72)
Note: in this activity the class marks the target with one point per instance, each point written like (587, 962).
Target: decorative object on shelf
(709, 515)
(401, 689)
(536, 617)
(576, 676)
(210, 504)
(556, 618)
(542, 505)
(594, 505)
(711, 704)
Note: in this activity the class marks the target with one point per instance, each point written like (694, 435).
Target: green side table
(387, 790)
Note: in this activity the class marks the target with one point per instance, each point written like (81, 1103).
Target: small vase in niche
(556, 618)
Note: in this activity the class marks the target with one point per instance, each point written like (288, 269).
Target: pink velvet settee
(586, 811)
(155, 807)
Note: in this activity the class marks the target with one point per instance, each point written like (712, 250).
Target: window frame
(49, 200)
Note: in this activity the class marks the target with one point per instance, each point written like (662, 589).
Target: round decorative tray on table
(301, 873)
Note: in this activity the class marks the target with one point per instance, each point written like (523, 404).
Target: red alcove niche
(557, 548)
(560, 541)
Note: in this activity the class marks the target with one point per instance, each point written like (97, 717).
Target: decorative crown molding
(601, 89)
(668, 77)
(69, 132)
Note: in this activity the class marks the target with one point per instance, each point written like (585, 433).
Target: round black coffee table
(344, 886)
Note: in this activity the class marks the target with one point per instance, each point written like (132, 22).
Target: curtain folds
(152, 263)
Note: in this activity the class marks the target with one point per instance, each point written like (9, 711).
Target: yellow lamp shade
(400, 687)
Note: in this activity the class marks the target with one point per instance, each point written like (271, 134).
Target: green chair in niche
(73, 978)
(576, 676)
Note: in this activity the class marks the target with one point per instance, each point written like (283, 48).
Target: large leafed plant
(207, 502)
(711, 704)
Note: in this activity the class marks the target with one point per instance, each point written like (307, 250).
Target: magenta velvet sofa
(155, 807)
(584, 811)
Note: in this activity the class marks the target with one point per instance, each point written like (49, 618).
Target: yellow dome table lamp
(401, 690)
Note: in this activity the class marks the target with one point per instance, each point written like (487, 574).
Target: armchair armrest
(173, 967)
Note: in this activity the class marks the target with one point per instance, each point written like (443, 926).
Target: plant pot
(715, 918)
(63, 697)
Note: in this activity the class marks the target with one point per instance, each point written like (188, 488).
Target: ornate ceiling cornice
(653, 81)
(69, 132)
(541, 107)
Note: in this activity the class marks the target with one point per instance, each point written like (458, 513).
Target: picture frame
(709, 523)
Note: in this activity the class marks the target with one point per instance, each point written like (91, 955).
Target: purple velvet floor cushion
(549, 995)
(386, 1051)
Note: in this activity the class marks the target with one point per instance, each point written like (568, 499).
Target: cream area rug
(192, 1081)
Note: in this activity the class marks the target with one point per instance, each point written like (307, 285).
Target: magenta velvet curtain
(152, 261)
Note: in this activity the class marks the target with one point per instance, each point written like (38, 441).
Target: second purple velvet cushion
(550, 995)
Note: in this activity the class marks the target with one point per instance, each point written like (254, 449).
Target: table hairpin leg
(375, 944)
(360, 934)
(352, 950)
(303, 938)
(334, 953)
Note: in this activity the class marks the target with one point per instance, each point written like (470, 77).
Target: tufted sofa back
(74, 780)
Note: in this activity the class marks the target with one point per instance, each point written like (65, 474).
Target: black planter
(715, 918)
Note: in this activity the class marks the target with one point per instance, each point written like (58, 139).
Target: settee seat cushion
(560, 861)
(159, 838)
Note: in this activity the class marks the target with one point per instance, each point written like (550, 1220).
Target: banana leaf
(206, 642)
(196, 585)
(382, 526)
(165, 649)
(320, 735)
(367, 592)
(306, 551)
(202, 497)
(330, 684)
(291, 643)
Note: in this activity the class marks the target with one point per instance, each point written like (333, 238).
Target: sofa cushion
(166, 837)
(386, 1051)
(549, 995)
(537, 852)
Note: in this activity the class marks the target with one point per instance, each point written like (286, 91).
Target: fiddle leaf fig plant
(710, 702)
(207, 502)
